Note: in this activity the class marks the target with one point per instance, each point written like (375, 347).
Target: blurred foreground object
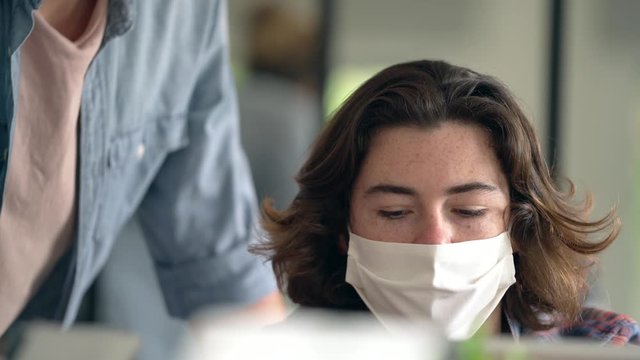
(327, 335)
(318, 335)
(47, 341)
(505, 348)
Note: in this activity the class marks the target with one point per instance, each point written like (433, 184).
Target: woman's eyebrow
(473, 186)
(390, 189)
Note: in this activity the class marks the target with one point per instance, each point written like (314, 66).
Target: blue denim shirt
(158, 136)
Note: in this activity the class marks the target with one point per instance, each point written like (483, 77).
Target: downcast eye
(394, 214)
(470, 213)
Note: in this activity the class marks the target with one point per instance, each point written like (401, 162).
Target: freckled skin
(429, 163)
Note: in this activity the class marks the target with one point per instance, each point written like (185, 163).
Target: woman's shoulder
(604, 326)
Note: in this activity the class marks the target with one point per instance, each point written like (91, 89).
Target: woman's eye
(393, 214)
(470, 213)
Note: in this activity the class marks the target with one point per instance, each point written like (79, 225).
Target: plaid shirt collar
(599, 325)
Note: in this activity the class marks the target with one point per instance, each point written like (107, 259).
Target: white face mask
(455, 286)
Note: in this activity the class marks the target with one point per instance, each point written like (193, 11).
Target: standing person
(427, 199)
(111, 107)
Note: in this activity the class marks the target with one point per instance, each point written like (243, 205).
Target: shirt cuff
(235, 279)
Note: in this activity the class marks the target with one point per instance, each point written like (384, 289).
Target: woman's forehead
(452, 152)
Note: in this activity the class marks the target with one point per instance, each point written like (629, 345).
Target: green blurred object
(476, 349)
(472, 349)
(342, 82)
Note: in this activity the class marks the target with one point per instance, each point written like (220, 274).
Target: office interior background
(573, 64)
(592, 81)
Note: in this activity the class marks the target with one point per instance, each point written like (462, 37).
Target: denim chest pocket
(132, 162)
(149, 140)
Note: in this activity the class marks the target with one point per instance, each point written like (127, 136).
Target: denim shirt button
(140, 151)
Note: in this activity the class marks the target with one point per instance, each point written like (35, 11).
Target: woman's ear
(343, 244)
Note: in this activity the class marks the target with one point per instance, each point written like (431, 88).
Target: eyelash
(393, 215)
(399, 214)
(468, 213)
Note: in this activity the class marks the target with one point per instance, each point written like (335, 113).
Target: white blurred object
(45, 341)
(316, 335)
(344, 335)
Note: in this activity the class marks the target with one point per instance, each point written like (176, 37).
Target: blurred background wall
(593, 95)
(601, 121)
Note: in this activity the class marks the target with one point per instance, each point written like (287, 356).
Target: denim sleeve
(200, 212)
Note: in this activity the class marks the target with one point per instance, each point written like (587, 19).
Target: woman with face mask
(427, 198)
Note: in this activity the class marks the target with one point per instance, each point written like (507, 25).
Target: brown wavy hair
(553, 238)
